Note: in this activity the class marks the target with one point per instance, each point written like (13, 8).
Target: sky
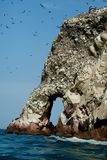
(27, 30)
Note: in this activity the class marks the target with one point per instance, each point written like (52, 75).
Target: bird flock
(27, 12)
(43, 6)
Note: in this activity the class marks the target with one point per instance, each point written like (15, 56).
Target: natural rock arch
(76, 70)
(51, 99)
(57, 109)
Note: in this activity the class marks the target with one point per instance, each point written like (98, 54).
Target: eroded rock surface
(76, 70)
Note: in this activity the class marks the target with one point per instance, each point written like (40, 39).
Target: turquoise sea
(34, 147)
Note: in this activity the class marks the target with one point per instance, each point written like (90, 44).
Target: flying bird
(7, 26)
(11, 18)
(23, 11)
(13, 23)
(20, 21)
(29, 11)
(35, 34)
(42, 21)
(16, 68)
(42, 5)
(10, 72)
(47, 44)
(12, 2)
(92, 9)
(58, 26)
(6, 58)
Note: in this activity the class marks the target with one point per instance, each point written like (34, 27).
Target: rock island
(76, 71)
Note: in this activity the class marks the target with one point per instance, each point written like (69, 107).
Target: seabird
(42, 5)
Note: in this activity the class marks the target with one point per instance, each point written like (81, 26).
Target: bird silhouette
(29, 11)
(7, 26)
(6, 58)
(58, 26)
(42, 21)
(30, 55)
(16, 68)
(42, 5)
(92, 9)
(13, 23)
(35, 34)
(23, 11)
(20, 21)
(12, 2)
(10, 72)
(11, 18)
(47, 44)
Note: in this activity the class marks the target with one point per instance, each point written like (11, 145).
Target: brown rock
(97, 134)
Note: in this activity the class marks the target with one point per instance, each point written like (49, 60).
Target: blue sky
(26, 33)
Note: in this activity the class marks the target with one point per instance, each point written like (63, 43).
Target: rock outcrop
(76, 70)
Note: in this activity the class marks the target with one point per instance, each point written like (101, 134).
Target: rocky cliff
(76, 70)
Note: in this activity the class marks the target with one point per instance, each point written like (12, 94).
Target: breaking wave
(75, 139)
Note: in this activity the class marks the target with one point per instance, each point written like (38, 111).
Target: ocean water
(34, 147)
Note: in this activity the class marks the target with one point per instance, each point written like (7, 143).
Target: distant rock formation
(76, 70)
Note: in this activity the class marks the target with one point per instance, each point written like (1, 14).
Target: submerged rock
(76, 70)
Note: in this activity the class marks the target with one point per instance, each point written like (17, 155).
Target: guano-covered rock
(76, 70)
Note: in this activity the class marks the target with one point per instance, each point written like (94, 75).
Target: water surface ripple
(34, 147)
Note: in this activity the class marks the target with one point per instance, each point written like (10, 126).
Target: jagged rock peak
(76, 70)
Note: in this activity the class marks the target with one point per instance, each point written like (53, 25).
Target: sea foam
(75, 139)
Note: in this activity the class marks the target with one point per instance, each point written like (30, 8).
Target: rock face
(76, 70)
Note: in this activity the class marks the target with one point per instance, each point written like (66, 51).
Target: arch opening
(57, 108)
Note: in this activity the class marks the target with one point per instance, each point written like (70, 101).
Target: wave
(75, 139)
(71, 139)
